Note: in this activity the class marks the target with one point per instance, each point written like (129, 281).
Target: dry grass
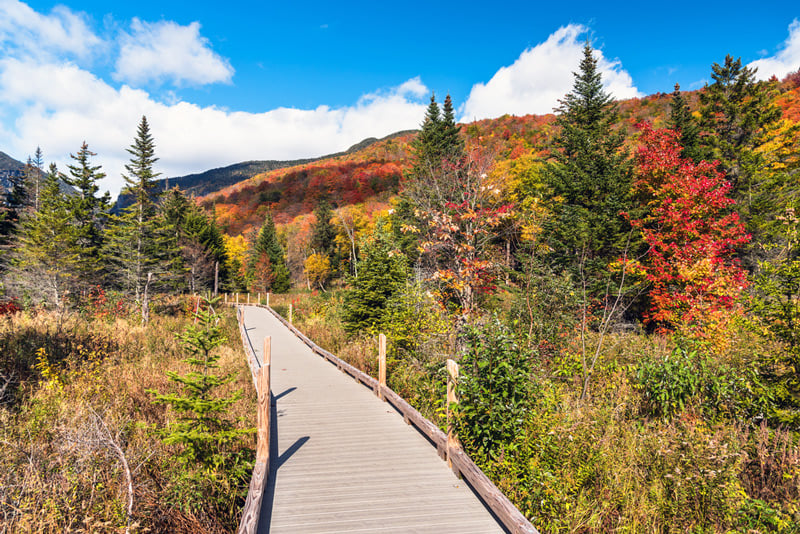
(75, 424)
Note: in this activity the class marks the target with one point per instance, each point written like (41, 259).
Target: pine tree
(12, 206)
(45, 263)
(131, 247)
(439, 159)
(681, 120)
(140, 181)
(87, 211)
(427, 154)
(451, 142)
(268, 263)
(38, 170)
(323, 234)
(168, 237)
(203, 247)
(590, 182)
(736, 114)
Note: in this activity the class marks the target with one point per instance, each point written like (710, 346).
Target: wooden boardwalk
(341, 460)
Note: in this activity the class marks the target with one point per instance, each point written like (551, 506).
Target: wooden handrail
(508, 514)
(251, 513)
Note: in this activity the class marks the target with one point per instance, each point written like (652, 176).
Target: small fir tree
(267, 262)
(736, 114)
(382, 273)
(202, 428)
(323, 233)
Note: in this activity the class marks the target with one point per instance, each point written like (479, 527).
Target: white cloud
(26, 32)
(189, 138)
(785, 61)
(541, 76)
(168, 52)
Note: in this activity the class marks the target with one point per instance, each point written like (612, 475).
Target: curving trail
(341, 460)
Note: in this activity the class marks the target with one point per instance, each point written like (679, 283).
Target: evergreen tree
(381, 275)
(35, 184)
(202, 428)
(681, 120)
(202, 246)
(427, 155)
(168, 236)
(87, 210)
(452, 144)
(140, 180)
(323, 235)
(45, 263)
(268, 263)
(590, 182)
(131, 247)
(12, 205)
(736, 114)
(439, 159)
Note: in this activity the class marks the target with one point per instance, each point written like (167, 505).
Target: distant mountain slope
(371, 172)
(8, 168)
(7, 163)
(204, 183)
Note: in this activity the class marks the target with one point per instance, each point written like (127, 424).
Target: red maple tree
(693, 234)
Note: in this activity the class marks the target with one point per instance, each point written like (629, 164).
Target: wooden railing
(260, 370)
(446, 444)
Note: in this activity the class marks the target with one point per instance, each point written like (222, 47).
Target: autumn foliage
(692, 233)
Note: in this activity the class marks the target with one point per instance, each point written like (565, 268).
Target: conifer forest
(619, 282)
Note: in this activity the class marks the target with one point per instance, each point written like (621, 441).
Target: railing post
(237, 298)
(267, 299)
(381, 365)
(258, 302)
(452, 398)
(290, 313)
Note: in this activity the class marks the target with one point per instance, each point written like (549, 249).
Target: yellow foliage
(236, 248)
(317, 268)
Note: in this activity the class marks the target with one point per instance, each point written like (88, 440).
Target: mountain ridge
(213, 180)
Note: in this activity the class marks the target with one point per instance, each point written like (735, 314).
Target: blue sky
(226, 82)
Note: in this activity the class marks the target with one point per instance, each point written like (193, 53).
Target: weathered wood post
(267, 300)
(248, 298)
(262, 452)
(216, 278)
(381, 364)
(452, 398)
(259, 299)
(237, 298)
(290, 313)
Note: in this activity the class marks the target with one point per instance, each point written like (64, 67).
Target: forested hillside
(619, 282)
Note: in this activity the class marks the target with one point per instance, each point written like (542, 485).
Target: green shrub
(493, 387)
(669, 385)
(685, 377)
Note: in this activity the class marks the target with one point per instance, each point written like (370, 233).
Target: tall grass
(77, 449)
